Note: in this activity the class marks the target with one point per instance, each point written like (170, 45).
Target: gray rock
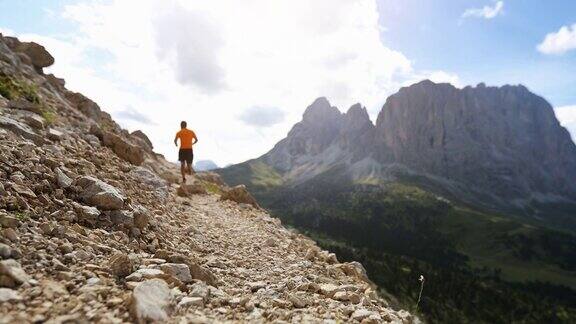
(5, 251)
(122, 218)
(34, 121)
(87, 215)
(148, 177)
(21, 129)
(99, 194)
(178, 270)
(12, 274)
(7, 295)
(150, 301)
(141, 217)
(361, 314)
(200, 289)
(9, 221)
(149, 273)
(54, 135)
(191, 301)
(63, 180)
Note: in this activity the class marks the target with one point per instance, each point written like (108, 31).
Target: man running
(185, 155)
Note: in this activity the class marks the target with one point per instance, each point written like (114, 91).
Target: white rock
(100, 194)
(151, 301)
(12, 274)
(7, 294)
(191, 301)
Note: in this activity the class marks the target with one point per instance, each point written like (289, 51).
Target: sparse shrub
(421, 279)
(11, 88)
(48, 115)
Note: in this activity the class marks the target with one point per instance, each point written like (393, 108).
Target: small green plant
(212, 187)
(11, 88)
(21, 216)
(48, 115)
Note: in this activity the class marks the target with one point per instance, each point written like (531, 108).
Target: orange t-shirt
(186, 136)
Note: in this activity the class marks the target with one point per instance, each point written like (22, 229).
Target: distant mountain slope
(474, 187)
(500, 149)
(205, 165)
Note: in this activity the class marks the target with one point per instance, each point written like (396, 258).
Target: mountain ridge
(469, 186)
(502, 143)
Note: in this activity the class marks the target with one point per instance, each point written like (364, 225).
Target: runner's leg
(183, 170)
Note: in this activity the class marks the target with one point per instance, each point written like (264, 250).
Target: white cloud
(204, 61)
(559, 42)
(567, 117)
(486, 12)
(259, 116)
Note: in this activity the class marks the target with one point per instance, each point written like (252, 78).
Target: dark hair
(183, 124)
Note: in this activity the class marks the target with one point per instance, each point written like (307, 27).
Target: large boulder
(151, 301)
(239, 194)
(99, 194)
(38, 55)
(142, 139)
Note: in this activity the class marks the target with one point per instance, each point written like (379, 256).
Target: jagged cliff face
(489, 146)
(324, 138)
(504, 141)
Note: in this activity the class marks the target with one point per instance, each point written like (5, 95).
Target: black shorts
(186, 155)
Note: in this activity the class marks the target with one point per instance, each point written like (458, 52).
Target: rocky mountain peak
(321, 111)
(357, 114)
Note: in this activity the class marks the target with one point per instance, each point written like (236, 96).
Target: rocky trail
(94, 227)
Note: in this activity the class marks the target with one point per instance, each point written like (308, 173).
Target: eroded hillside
(95, 228)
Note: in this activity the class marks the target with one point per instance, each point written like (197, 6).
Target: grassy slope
(482, 237)
(399, 231)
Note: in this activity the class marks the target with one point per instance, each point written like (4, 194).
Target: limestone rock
(150, 301)
(12, 274)
(34, 121)
(63, 180)
(54, 135)
(7, 295)
(177, 270)
(123, 148)
(20, 129)
(191, 301)
(120, 264)
(99, 194)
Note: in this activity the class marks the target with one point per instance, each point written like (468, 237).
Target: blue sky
(243, 72)
(497, 51)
